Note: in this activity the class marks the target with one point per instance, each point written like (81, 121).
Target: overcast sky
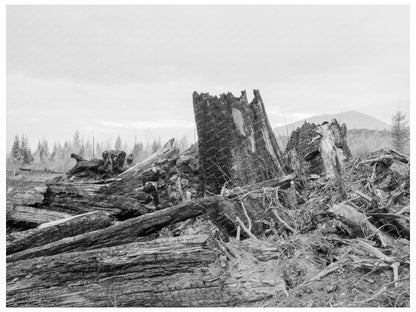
(131, 70)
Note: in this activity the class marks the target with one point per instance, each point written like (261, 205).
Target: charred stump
(236, 143)
(318, 149)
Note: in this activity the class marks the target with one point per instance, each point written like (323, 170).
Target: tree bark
(318, 149)
(236, 143)
(56, 230)
(111, 164)
(358, 223)
(34, 215)
(126, 231)
(177, 271)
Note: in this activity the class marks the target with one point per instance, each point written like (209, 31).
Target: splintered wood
(232, 221)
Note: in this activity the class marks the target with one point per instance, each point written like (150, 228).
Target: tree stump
(236, 143)
(318, 149)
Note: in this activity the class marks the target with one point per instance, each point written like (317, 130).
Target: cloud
(125, 69)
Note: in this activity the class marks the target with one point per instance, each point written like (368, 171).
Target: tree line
(57, 156)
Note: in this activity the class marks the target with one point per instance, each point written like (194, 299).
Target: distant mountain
(353, 120)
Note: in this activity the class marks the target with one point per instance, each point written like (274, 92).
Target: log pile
(258, 228)
(112, 163)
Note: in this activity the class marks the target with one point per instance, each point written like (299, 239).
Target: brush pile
(170, 231)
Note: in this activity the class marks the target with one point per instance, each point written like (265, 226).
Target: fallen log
(124, 275)
(111, 164)
(359, 223)
(56, 230)
(126, 231)
(166, 153)
(34, 215)
(79, 198)
(122, 196)
(282, 182)
(176, 271)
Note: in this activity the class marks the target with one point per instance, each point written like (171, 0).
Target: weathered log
(126, 275)
(236, 143)
(122, 196)
(111, 164)
(165, 154)
(78, 198)
(34, 215)
(283, 182)
(359, 223)
(177, 271)
(25, 192)
(126, 231)
(84, 167)
(23, 203)
(56, 230)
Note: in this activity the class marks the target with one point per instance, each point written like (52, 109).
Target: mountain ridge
(353, 120)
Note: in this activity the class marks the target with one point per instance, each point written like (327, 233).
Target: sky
(131, 70)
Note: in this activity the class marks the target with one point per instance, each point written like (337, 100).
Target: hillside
(353, 120)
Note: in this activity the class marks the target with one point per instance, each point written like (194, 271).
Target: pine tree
(118, 144)
(156, 145)
(15, 153)
(45, 150)
(138, 150)
(88, 150)
(399, 131)
(27, 156)
(76, 143)
(54, 153)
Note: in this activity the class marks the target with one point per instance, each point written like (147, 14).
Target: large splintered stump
(318, 149)
(237, 146)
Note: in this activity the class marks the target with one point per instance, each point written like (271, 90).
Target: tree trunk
(358, 224)
(126, 231)
(177, 271)
(56, 230)
(236, 143)
(78, 198)
(34, 215)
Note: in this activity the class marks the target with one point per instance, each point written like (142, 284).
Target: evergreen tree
(156, 145)
(118, 144)
(15, 153)
(76, 143)
(45, 150)
(399, 131)
(27, 156)
(88, 150)
(138, 150)
(54, 152)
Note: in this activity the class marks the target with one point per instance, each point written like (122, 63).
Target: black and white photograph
(207, 155)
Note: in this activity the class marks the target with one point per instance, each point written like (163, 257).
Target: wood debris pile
(169, 232)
